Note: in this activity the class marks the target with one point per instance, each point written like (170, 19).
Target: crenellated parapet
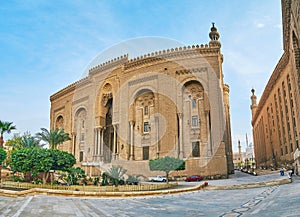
(70, 88)
(173, 53)
(109, 64)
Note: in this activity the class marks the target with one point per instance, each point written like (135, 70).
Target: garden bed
(19, 186)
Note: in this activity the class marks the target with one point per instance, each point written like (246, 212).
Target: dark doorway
(108, 132)
(146, 153)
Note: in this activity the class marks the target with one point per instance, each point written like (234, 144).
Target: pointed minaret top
(253, 97)
(214, 36)
(253, 102)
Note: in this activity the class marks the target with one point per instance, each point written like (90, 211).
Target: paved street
(280, 200)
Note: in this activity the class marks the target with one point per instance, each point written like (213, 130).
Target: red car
(193, 178)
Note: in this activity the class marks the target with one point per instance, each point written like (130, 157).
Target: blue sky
(46, 45)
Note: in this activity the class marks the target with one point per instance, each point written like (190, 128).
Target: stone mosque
(171, 102)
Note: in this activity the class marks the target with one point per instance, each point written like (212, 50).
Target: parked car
(158, 179)
(193, 178)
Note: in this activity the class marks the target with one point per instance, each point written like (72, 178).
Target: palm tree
(54, 137)
(5, 127)
(28, 141)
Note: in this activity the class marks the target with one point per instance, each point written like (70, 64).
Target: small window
(146, 127)
(195, 121)
(194, 103)
(146, 110)
(81, 156)
(82, 125)
(196, 149)
(82, 138)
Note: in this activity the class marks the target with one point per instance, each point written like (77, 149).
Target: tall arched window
(196, 129)
(80, 119)
(144, 105)
(143, 110)
(59, 123)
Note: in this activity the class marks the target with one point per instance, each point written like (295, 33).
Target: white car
(158, 179)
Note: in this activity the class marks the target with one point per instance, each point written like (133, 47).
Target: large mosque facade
(168, 103)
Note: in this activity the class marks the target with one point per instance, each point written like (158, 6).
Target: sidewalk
(244, 180)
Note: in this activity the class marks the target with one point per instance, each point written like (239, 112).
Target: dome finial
(213, 28)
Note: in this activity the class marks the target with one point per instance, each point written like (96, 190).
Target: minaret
(253, 103)
(214, 36)
(240, 150)
(246, 140)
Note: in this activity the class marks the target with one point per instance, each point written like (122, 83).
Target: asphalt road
(283, 200)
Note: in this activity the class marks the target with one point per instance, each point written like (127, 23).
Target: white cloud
(260, 25)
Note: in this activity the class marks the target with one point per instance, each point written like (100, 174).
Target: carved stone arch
(59, 122)
(105, 94)
(195, 90)
(104, 111)
(191, 79)
(141, 97)
(79, 133)
(80, 115)
(140, 91)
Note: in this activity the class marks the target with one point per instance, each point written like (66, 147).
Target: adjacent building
(276, 118)
(168, 103)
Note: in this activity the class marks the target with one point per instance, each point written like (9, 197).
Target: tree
(2, 158)
(40, 161)
(5, 127)
(25, 141)
(2, 155)
(167, 164)
(54, 137)
(28, 141)
(62, 160)
(33, 160)
(14, 143)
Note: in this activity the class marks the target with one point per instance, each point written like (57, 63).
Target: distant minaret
(253, 103)
(239, 147)
(246, 140)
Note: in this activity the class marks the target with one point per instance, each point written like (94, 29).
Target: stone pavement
(264, 201)
(240, 178)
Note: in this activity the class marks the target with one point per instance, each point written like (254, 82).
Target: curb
(52, 192)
